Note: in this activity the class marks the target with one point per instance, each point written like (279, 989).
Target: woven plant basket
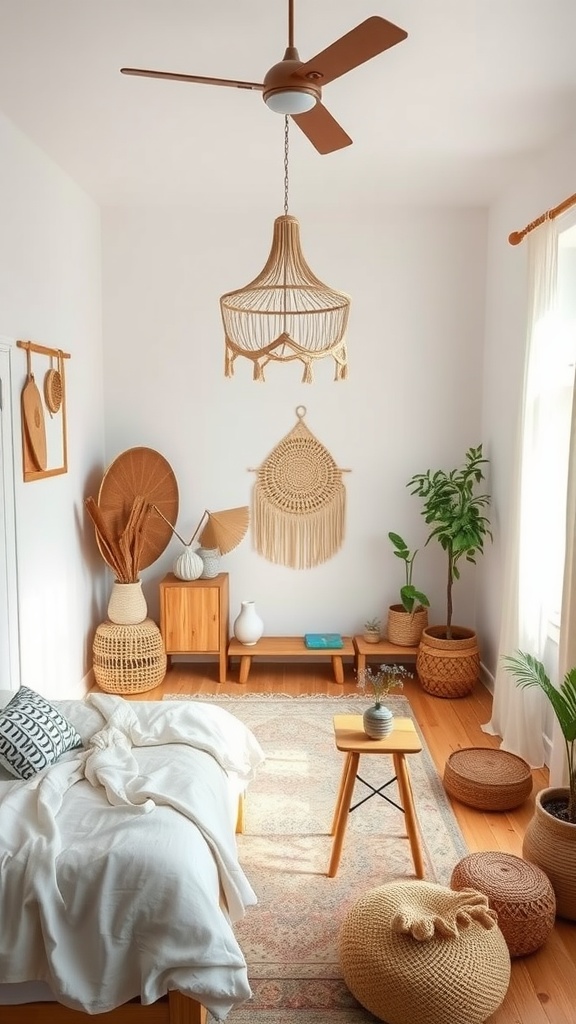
(551, 844)
(448, 668)
(487, 779)
(519, 892)
(403, 628)
(419, 953)
(128, 659)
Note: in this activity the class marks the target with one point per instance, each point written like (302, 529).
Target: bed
(119, 878)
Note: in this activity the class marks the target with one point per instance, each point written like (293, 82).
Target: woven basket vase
(448, 668)
(519, 892)
(127, 604)
(487, 779)
(551, 844)
(403, 628)
(419, 953)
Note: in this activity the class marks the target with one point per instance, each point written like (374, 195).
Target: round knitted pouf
(487, 779)
(128, 659)
(519, 892)
(417, 953)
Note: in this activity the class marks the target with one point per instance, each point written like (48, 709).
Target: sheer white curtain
(518, 715)
(567, 655)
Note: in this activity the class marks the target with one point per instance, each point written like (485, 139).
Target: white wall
(547, 181)
(412, 400)
(50, 292)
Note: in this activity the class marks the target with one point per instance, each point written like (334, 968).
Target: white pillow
(33, 734)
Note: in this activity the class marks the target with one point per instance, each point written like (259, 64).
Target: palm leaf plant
(454, 510)
(531, 672)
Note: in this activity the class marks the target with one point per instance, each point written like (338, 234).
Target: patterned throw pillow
(33, 734)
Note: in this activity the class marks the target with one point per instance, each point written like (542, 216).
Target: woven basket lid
(34, 426)
(140, 472)
(489, 766)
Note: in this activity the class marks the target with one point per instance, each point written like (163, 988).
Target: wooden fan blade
(322, 130)
(362, 43)
(177, 77)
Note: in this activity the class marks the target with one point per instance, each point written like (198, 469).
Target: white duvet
(116, 862)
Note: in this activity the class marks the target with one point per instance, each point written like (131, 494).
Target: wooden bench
(383, 650)
(288, 647)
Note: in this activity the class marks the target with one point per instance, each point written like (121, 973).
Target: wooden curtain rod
(31, 346)
(516, 237)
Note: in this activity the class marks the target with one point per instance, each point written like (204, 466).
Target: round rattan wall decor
(53, 388)
(140, 472)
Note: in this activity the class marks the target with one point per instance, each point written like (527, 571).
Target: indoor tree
(454, 511)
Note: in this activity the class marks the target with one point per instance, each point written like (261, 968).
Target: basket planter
(448, 668)
(551, 844)
(405, 628)
(372, 636)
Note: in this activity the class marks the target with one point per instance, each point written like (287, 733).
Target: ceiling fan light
(290, 101)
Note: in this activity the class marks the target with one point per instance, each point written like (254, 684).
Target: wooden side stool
(351, 739)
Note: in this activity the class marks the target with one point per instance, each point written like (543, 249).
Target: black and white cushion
(33, 734)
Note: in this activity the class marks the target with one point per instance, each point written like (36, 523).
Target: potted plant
(448, 659)
(550, 838)
(372, 631)
(407, 619)
(378, 720)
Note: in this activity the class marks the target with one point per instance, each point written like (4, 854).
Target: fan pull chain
(286, 144)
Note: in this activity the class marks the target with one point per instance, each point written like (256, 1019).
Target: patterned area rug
(290, 939)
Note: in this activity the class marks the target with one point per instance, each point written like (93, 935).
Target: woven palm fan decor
(299, 501)
(223, 530)
(286, 313)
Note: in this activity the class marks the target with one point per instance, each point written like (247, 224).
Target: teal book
(319, 641)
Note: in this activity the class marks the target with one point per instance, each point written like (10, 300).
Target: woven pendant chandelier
(286, 313)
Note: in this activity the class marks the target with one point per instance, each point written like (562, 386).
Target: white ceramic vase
(248, 627)
(211, 561)
(127, 604)
(188, 565)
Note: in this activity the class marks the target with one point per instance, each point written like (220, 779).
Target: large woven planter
(403, 628)
(551, 844)
(448, 668)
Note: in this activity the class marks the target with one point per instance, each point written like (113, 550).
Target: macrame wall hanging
(299, 501)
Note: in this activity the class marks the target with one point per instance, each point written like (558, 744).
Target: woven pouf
(128, 659)
(487, 779)
(420, 953)
(519, 892)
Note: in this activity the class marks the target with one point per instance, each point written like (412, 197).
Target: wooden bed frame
(175, 1008)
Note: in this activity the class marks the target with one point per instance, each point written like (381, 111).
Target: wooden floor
(543, 985)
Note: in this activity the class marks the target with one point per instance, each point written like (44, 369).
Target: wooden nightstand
(194, 617)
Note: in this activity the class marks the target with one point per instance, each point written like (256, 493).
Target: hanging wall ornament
(299, 501)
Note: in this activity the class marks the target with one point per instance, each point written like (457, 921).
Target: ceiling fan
(295, 87)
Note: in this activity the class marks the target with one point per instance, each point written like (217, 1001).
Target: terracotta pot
(448, 668)
(404, 628)
(551, 844)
